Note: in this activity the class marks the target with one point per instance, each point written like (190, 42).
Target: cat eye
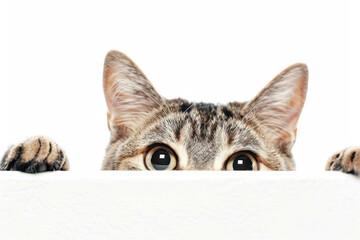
(160, 158)
(242, 161)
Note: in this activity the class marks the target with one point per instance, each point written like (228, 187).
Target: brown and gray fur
(346, 160)
(203, 135)
(36, 154)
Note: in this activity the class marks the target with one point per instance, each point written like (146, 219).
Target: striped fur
(36, 154)
(347, 160)
(203, 135)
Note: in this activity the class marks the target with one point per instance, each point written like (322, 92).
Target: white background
(218, 51)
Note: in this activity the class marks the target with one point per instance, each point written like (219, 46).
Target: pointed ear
(129, 95)
(278, 106)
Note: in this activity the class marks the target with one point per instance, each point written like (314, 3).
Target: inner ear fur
(129, 94)
(277, 107)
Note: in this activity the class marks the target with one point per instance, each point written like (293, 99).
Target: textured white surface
(179, 205)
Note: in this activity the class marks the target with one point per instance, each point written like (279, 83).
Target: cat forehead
(202, 129)
(200, 121)
(207, 110)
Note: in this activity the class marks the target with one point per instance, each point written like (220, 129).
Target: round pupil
(160, 159)
(242, 162)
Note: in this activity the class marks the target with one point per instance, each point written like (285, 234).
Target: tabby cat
(149, 132)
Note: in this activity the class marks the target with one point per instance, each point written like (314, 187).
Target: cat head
(149, 132)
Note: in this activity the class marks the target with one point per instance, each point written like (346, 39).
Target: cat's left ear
(129, 95)
(278, 106)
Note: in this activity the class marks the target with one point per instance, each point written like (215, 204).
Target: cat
(149, 132)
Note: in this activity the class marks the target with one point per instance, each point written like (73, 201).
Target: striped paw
(347, 160)
(37, 154)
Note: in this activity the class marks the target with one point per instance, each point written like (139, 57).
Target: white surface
(53, 52)
(179, 205)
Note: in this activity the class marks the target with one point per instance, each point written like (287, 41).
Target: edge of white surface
(179, 205)
(178, 175)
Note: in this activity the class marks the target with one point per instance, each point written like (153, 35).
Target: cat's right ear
(278, 106)
(129, 95)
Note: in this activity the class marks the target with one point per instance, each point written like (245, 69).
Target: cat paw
(347, 160)
(37, 154)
